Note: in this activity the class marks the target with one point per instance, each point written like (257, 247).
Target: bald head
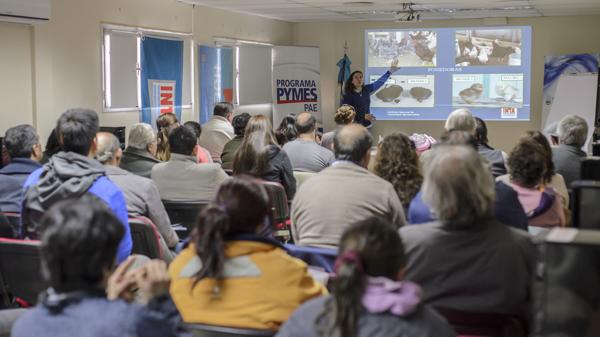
(109, 149)
(305, 123)
(353, 143)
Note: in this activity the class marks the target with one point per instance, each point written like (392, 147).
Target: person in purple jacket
(358, 95)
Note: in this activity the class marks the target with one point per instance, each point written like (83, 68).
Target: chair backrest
(145, 238)
(323, 258)
(184, 214)
(585, 198)
(20, 267)
(281, 209)
(7, 230)
(590, 168)
(301, 177)
(484, 325)
(203, 330)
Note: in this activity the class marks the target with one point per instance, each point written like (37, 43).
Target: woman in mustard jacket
(229, 275)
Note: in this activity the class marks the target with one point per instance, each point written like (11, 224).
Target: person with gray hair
(139, 156)
(572, 133)
(141, 194)
(467, 260)
(23, 147)
(460, 119)
(344, 193)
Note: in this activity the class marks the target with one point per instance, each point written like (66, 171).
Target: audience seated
(181, 178)
(397, 162)
(527, 170)
(140, 193)
(72, 173)
(138, 157)
(343, 194)
(165, 123)
(467, 260)
(201, 153)
(260, 156)
(84, 299)
(507, 207)
(572, 133)
(369, 297)
(52, 147)
(304, 152)
(23, 146)
(344, 115)
(551, 178)
(239, 123)
(286, 132)
(218, 131)
(230, 276)
(496, 158)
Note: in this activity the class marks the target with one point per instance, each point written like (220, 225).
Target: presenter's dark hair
(182, 140)
(80, 238)
(370, 248)
(239, 123)
(241, 206)
(352, 142)
(223, 109)
(349, 86)
(20, 140)
(77, 129)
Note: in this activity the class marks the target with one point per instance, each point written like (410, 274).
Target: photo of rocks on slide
(416, 48)
(406, 91)
(488, 47)
(487, 90)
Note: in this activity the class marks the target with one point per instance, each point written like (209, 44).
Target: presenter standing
(358, 95)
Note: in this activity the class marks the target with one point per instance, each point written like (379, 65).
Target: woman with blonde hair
(344, 115)
(165, 123)
(260, 156)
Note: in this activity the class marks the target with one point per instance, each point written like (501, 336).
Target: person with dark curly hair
(527, 169)
(398, 163)
(551, 178)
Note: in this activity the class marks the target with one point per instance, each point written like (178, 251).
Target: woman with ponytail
(164, 124)
(369, 298)
(231, 276)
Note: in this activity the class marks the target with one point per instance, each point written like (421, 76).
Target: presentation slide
(484, 69)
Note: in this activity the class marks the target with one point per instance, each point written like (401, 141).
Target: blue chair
(323, 258)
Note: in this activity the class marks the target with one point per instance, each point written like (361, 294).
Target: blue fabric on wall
(161, 59)
(215, 76)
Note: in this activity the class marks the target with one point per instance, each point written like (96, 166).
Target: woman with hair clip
(369, 298)
(165, 123)
(231, 276)
(261, 157)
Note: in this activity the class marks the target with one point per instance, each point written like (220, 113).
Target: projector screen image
(486, 70)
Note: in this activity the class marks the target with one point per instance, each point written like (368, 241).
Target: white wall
(62, 68)
(16, 104)
(551, 36)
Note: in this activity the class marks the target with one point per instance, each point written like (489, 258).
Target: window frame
(139, 32)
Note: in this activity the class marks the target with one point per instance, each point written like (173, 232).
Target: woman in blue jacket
(358, 95)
